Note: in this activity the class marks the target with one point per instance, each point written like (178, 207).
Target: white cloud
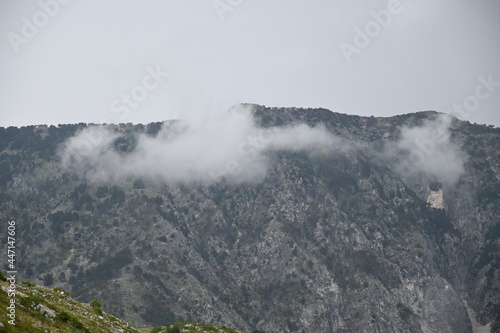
(204, 149)
(428, 149)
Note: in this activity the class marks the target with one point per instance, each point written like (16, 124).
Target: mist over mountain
(427, 149)
(229, 145)
(276, 219)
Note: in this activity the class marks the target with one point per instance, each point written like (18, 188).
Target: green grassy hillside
(191, 328)
(39, 309)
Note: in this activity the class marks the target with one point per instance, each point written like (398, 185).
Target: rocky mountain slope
(392, 228)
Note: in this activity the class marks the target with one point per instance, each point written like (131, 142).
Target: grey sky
(84, 59)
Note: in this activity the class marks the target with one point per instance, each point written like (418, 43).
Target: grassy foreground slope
(191, 328)
(39, 309)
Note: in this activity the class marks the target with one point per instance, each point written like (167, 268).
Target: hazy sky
(68, 61)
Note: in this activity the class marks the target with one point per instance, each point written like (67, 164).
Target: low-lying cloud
(202, 150)
(428, 149)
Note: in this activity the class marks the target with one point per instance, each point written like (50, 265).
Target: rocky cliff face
(392, 229)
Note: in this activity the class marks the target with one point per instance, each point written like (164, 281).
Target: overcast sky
(69, 61)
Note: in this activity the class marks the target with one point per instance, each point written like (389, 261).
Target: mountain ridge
(341, 240)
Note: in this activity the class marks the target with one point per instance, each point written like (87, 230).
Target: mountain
(319, 222)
